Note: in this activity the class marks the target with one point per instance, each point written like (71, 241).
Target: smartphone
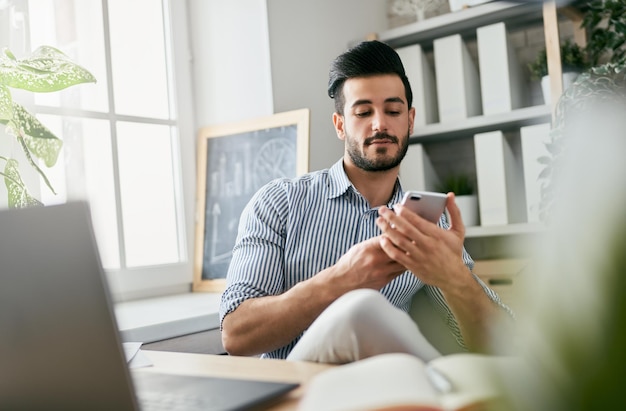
(429, 205)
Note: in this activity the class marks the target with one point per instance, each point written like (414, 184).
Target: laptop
(59, 343)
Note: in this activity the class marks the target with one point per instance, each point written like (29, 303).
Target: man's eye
(362, 114)
(393, 113)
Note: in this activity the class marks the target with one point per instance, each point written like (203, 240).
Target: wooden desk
(239, 367)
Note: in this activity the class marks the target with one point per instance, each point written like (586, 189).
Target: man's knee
(356, 305)
(363, 297)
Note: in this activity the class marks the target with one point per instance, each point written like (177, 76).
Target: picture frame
(234, 161)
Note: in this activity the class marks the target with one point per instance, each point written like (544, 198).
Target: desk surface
(239, 367)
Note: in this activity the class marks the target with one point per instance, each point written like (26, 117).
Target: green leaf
(459, 184)
(553, 148)
(33, 164)
(35, 139)
(41, 142)
(621, 26)
(19, 196)
(47, 69)
(618, 43)
(6, 103)
(46, 149)
(544, 160)
(545, 173)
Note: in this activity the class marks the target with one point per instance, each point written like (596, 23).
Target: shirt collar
(340, 183)
(398, 193)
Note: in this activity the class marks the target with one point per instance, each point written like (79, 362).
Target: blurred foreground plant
(602, 91)
(45, 70)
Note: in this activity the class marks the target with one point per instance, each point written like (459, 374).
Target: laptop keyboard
(172, 392)
(154, 401)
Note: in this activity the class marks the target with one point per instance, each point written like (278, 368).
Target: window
(122, 136)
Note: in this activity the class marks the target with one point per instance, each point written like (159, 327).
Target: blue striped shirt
(294, 228)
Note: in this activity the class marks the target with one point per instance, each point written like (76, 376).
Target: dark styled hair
(368, 58)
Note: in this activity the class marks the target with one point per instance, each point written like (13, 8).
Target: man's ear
(411, 120)
(339, 123)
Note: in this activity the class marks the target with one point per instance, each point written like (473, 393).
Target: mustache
(381, 136)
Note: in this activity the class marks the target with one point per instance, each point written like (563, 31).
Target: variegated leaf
(6, 103)
(47, 69)
(41, 142)
(33, 163)
(46, 149)
(18, 194)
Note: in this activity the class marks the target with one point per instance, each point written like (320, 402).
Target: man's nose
(379, 122)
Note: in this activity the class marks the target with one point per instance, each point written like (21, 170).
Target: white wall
(254, 58)
(231, 63)
(305, 36)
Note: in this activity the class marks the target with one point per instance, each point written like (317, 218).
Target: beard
(379, 163)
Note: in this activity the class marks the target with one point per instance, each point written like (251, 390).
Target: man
(325, 256)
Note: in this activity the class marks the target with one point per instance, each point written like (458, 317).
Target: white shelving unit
(504, 121)
(516, 16)
(503, 230)
(482, 241)
(463, 22)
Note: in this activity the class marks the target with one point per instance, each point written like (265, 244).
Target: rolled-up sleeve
(257, 265)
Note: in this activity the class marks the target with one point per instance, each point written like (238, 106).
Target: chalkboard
(234, 161)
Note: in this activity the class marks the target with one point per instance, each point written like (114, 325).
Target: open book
(402, 382)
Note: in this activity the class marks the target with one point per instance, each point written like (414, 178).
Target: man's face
(376, 123)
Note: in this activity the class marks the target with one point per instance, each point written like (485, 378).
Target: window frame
(128, 283)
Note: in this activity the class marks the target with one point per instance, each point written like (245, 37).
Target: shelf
(515, 15)
(503, 230)
(508, 267)
(479, 124)
(463, 22)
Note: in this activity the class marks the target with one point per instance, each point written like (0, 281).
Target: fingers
(400, 255)
(456, 222)
(396, 228)
(418, 244)
(370, 256)
(406, 222)
(399, 230)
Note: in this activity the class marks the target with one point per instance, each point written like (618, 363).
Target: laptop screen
(59, 346)
(59, 341)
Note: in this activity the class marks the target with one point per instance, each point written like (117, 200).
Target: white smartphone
(427, 204)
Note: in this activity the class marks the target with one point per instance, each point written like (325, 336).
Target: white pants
(361, 324)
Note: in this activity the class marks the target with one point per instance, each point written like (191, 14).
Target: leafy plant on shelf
(45, 70)
(605, 23)
(572, 59)
(596, 99)
(459, 184)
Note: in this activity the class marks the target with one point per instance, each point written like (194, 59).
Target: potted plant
(605, 23)
(466, 199)
(595, 101)
(603, 85)
(45, 70)
(573, 61)
(418, 9)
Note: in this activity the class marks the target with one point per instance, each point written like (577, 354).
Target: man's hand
(435, 256)
(432, 254)
(266, 323)
(365, 265)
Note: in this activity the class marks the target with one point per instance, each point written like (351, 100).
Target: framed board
(234, 161)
